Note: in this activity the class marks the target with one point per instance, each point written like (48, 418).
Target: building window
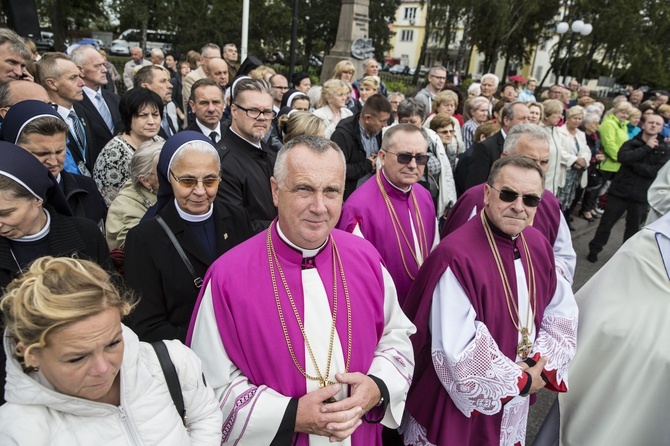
(407, 35)
(539, 72)
(410, 13)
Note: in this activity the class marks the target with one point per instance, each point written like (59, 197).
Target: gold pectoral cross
(325, 383)
(525, 346)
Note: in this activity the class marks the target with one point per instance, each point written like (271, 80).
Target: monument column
(352, 41)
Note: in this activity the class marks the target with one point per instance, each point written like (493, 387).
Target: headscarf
(289, 96)
(170, 149)
(22, 166)
(23, 113)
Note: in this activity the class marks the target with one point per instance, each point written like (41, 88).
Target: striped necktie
(104, 111)
(78, 132)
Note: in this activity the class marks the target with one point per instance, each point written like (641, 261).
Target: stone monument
(353, 42)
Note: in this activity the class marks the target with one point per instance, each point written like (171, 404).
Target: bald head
(14, 92)
(217, 70)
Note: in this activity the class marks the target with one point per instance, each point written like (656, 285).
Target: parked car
(399, 69)
(131, 37)
(45, 42)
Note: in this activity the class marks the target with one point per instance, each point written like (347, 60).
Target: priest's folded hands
(337, 420)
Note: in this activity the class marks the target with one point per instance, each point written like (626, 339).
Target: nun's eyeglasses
(191, 183)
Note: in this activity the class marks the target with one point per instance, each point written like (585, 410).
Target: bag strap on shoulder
(171, 377)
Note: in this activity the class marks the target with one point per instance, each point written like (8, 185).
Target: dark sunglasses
(509, 196)
(406, 158)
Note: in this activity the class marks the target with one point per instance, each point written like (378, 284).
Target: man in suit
(207, 104)
(487, 152)
(100, 106)
(360, 138)
(370, 68)
(157, 79)
(207, 52)
(60, 77)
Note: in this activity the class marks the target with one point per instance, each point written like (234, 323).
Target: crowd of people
(291, 263)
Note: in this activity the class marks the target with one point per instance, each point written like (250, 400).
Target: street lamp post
(577, 27)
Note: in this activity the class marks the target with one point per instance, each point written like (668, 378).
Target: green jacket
(613, 134)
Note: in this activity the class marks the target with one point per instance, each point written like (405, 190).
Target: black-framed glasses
(406, 158)
(509, 196)
(191, 183)
(254, 113)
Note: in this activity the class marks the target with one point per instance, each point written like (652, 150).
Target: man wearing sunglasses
(494, 323)
(392, 211)
(532, 141)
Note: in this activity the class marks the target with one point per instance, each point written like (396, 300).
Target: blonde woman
(446, 102)
(297, 123)
(574, 160)
(345, 71)
(334, 95)
(77, 375)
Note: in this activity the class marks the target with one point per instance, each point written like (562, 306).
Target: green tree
(65, 15)
(382, 14)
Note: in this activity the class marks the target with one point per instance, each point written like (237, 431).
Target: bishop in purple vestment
(392, 211)
(494, 324)
(299, 329)
(531, 141)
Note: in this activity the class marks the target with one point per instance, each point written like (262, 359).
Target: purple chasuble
(367, 209)
(246, 312)
(467, 253)
(547, 218)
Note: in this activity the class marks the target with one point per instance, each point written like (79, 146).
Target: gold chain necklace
(398, 229)
(525, 346)
(337, 262)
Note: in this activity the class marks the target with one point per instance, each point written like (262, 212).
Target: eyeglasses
(406, 158)
(509, 196)
(191, 183)
(446, 132)
(441, 78)
(254, 113)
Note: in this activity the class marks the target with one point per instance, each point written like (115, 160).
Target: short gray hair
(432, 71)
(144, 161)
(16, 43)
(590, 118)
(522, 162)
(210, 46)
(496, 81)
(410, 107)
(79, 55)
(251, 84)
(316, 144)
(367, 61)
(157, 52)
(474, 103)
(531, 131)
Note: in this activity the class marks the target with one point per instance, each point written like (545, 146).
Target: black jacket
(156, 272)
(83, 197)
(639, 166)
(100, 133)
(245, 178)
(347, 135)
(484, 154)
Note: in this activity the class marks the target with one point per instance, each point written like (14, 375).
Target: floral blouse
(112, 167)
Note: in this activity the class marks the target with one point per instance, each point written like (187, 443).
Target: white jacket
(35, 414)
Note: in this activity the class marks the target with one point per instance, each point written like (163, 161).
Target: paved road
(582, 235)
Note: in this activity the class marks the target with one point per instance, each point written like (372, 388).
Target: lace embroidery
(244, 399)
(557, 341)
(413, 433)
(513, 425)
(480, 378)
